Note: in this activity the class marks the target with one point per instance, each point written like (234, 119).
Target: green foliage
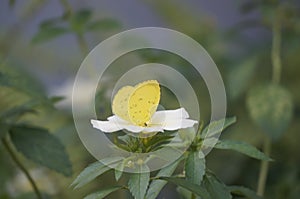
(94, 170)
(216, 127)
(271, 108)
(156, 185)
(200, 191)
(138, 182)
(215, 188)
(103, 193)
(78, 23)
(48, 33)
(242, 147)
(38, 145)
(243, 191)
(195, 167)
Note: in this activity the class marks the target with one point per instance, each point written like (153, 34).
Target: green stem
(276, 64)
(80, 39)
(18, 162)
(82, 44)
(275, 54)
(264, 169)
(193, 196)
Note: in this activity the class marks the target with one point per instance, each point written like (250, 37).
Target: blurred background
(43, 42)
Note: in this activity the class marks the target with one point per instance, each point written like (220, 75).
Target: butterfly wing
(143, 102)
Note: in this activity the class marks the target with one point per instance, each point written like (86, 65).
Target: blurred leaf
(242, 147)
(270, 107)
(56, 99)
(40, 146)
(197, 189)
(249, 6)
(156, 185)
(195, 167)
(239, 77)
(49, 23)
(94, 170)
(3, 129)
(19, 110)
(12, 3)
(104, 25)
(103, 193)
(243, 191)
(217, 127)
(138, 182)
(80, 19)
(48, 33)
(215, 187)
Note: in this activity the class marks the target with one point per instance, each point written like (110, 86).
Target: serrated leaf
(102, 193)
(138, 182)
(94, 170)
(243, 191)
(48, 33)
(195, 167)
(270, 107)
(197, 189)
(156, 185)
(104, 25)
(239, 77)
(215, 187)
(242, 147)
(217, 127)
(40, 146)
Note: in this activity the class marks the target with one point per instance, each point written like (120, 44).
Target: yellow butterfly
(134, 109)
(137, 104)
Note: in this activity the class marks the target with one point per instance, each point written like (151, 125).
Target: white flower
(161, 120)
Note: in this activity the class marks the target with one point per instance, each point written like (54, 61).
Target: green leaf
(239, 77)
(79, 20)
(270, 107)
(3, 129)
(104, 192)
(56, 99)
(243, 191)
(195, 167)
(215, 187)
(48, 33)
(156, 185)
(138, 182)
(94, 170)
(197, 189)
(242, 147)
(119, 170)
(40, 146)
(12, 3)
(104, 25)
(217, 127)
(17, 111)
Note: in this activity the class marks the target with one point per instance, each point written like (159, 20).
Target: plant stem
(264, 168)
(18, 162)
(82, 44)
(80, 38)
(276, 63)
(275, 54)
(193, 196)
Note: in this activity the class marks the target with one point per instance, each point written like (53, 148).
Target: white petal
(115, 123)
(106, 126)
(173, 119)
